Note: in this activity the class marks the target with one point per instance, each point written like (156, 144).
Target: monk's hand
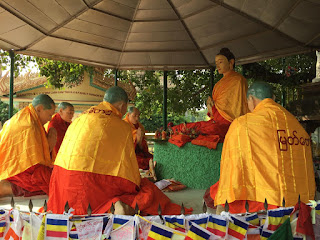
(52, 138)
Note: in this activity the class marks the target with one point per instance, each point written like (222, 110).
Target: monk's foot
(220, 209)
(123, 209)
(5, 188)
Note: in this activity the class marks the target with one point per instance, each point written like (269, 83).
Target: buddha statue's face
(67, 113)
(134, 117)
(223, 64)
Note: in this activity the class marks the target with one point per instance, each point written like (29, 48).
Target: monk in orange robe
(266, 155)
(138, 133)
(229, 99)
(26, 150)
(97, 165)
(61, 121)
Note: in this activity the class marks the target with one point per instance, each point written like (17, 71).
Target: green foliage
(60, 74)
(4, 112)
(20, 62)
(302, 68)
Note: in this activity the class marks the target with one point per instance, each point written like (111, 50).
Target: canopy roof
(158, 34)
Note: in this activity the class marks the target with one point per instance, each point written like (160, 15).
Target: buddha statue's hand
(52, 138)
(210, 104)
(139, 135)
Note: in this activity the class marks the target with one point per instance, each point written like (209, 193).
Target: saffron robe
(266, 155)
(96, 164)
(24, 153)
(61, 127)
(230, 96)
(142, 153)
(230, 101)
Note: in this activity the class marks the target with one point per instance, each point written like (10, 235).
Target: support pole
(11, 54)
(165, 91)
(211, 80)
(116, 78)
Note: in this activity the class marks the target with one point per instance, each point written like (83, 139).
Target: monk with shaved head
(61, 121)
(266, 155)
(138, 134)
(26, 150)
(97, 165)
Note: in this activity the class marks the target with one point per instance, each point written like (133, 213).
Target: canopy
(158, 34)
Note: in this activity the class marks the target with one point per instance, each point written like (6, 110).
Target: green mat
(196, 167)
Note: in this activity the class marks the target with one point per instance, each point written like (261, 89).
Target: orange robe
(24, 154)
(230, 96)
(266, 155)
(142, 152)
(96, 164)
(230, 101)
(61, 127)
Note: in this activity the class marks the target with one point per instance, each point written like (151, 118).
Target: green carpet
(196, 167)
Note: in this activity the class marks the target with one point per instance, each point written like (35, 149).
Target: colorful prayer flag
(15, 230)
(217, 225)
(3, 223)
(283, 232)
(119, 221)
(158, 233)
(177, 223)
(278, 216)
(237, 229)
(57, 227)
(202, 222)
(197, 233)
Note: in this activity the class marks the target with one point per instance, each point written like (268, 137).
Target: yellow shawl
(23, 143)
(230, 96)
(98, 141)
(266, 154)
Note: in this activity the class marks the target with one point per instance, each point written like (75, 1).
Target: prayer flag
(197, 233)
(217, 225)
(15, 230)
(119, 221)
(283, 232)
(73, 232)
(90, 229)
(278, 216)
(202, 222)
(158, 233)
(177, 223)
(57, 227)
(3, 223)
(125, 231)
(237, 229)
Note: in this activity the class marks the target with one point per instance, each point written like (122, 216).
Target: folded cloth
(179, 140)
(209, 141)
(174, 186)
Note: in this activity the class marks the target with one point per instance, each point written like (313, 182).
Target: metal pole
(211, 79)
(116, 78)
(165, 90)
(11, 54)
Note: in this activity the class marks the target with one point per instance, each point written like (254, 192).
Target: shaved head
(64, 105)
(260, 90)
(115, 94)
(44, 100)
(133, 109)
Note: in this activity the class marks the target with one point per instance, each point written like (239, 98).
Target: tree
(4, 112)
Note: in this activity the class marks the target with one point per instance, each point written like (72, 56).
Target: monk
(97, 165)
(26, 150)
(266, 155)
(61, 121)
(138, 133)
(228, 99)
